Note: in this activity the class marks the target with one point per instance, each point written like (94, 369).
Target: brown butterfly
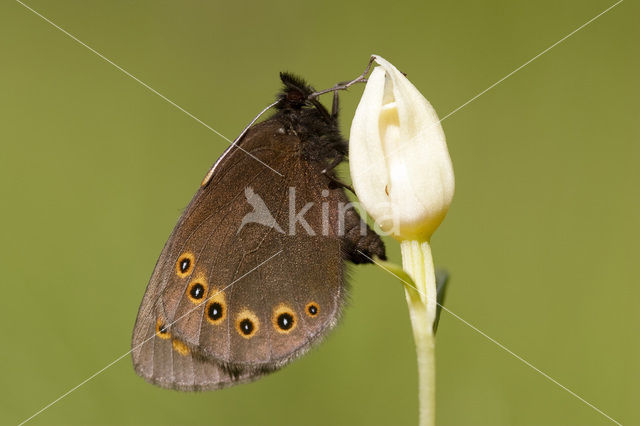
(253, 273)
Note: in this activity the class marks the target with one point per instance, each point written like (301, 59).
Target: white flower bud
(400, 165)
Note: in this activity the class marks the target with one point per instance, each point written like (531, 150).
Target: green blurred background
(541, 241)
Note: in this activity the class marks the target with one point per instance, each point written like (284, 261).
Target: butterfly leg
(362, 78)
(334, 180)
(334, 106)
(359, 242)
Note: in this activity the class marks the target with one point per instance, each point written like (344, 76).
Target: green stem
(418, 263)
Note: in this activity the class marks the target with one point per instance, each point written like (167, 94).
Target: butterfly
(253, 274)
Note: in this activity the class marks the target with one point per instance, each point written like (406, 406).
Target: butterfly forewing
(218, 300)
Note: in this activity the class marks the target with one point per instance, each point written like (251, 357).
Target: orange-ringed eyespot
(197, 291)
(312, 309)
(246, 326)
(215, 311)
(162, 330)
(247, 323)
(184, 265)
(285, 321)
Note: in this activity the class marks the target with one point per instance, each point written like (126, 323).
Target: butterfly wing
(243, 298)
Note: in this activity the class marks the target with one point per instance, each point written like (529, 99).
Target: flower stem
(418, 263)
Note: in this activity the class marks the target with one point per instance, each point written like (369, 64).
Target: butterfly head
(295, 93)
(296, 99)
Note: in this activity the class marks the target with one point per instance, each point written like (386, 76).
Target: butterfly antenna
(260, 114)
(209, 175)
